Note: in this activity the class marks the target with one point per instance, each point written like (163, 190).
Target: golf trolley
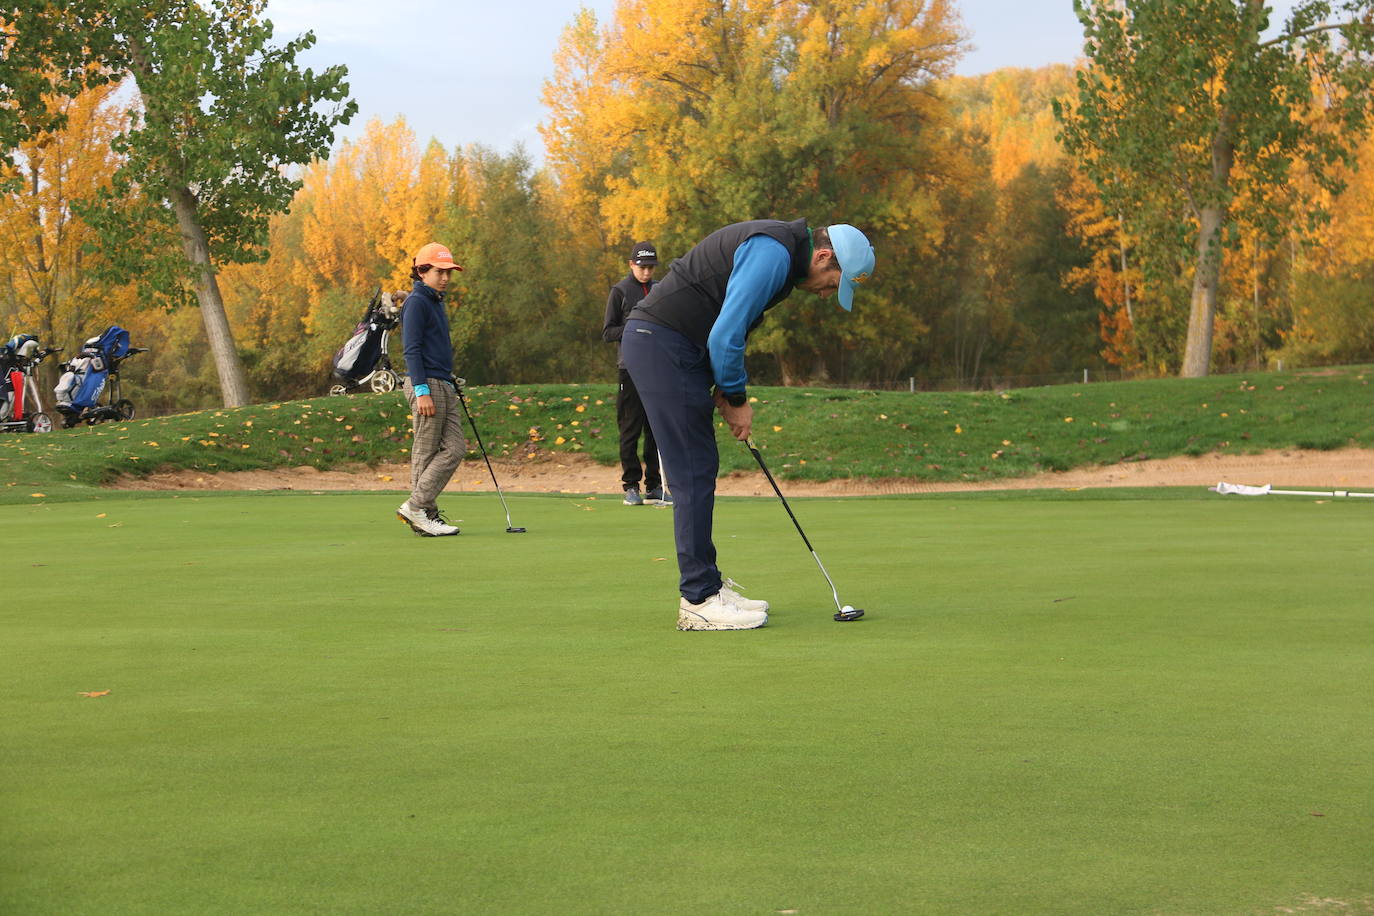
(21, 409)
(93, 371)
(364, 361)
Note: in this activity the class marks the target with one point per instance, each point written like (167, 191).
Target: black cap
(644, 254)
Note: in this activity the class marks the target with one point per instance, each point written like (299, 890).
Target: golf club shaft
(464, 401)
(805, 540)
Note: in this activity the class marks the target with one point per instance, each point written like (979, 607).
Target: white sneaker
(434, 515)
(421, 523)
(716, 613)
(729, 590)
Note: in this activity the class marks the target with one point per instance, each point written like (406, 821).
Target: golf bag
(16, 351)
(80, 386)
(21, 409)
(363, 359)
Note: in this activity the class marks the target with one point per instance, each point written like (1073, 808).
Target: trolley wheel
(40, 423)
(383, 380)
(336, 390)
(125, 408)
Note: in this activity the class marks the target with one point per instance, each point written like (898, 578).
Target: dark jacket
(689, 298)
(425, 335)
(624, 296)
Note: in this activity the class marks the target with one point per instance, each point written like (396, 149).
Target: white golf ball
(847, 609)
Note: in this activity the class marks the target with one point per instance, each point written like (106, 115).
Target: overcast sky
(469, 72)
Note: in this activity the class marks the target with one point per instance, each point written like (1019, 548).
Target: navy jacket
(425, 335)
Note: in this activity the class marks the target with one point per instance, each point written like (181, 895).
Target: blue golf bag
(80, 386)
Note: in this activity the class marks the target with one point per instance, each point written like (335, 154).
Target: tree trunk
(1125, 278)
(784, 370)
(1197, 354)
(232, 381)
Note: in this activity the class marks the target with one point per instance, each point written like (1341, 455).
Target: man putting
(688, 335)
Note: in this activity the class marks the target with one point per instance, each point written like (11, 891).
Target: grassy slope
(808, 433)
(1055, 706)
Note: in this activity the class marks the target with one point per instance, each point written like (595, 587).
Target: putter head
(515, 531)
(848, 614)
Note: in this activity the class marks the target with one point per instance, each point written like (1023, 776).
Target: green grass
(1055, 706)
(815, 434)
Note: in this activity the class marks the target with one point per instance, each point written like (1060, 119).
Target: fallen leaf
(94, 693)
(38, 495)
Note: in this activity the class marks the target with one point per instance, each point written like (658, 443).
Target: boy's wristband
(421, 391)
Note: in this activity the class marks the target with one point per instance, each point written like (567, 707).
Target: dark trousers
(629, 413)
(673, 377)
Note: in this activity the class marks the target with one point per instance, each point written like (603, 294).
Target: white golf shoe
(717, 613)
(420, 522)
(729, 590)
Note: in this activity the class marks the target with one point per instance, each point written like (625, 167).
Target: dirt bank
(1342, 469)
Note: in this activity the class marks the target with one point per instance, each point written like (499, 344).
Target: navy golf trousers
(673, 376)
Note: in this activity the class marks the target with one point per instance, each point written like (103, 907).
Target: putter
(844, 613)
(510, 529)
(663, 473)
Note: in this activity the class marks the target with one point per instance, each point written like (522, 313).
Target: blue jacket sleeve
(412, 342)
(762, 265)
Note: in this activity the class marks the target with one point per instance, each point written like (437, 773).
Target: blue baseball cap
(855, 254)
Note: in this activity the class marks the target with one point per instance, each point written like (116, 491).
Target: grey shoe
(632, 497)
(659, 496)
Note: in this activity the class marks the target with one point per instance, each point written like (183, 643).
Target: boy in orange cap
(430, 389)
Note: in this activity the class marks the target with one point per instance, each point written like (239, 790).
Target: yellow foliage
(47, 286)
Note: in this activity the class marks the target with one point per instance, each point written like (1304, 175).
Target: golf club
(663, 473)
(510, 529)
(845, 613)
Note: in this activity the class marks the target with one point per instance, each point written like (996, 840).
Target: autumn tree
(692, 114)
(519, 312)
(1330, 280)
(48, 277)
(1186, 107)
(996, 297)
(223, 115)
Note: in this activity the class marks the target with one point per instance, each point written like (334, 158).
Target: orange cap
(435, 255)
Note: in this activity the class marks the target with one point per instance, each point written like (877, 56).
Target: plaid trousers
(439, 445)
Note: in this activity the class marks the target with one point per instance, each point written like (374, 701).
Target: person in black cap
(629, 410)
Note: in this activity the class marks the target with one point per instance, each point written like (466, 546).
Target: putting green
(1115, 705)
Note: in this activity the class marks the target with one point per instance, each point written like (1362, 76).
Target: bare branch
(1325, 27)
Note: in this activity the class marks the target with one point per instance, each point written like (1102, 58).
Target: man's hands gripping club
(739, 419)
